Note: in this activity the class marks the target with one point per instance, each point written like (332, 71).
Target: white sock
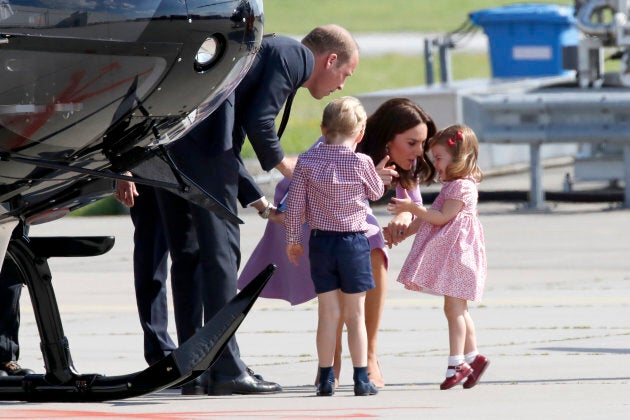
(454, 361)
(470, 357)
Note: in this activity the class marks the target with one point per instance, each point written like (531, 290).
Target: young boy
(330, 189)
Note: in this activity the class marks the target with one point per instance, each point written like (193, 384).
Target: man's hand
(287, 166)
(126, 191)
(277, 216)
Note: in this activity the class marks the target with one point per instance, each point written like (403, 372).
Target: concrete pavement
(554, 322)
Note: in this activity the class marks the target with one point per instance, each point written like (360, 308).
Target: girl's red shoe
(461, 372)
(479, 366)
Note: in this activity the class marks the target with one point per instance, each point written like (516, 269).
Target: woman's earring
(387, 149)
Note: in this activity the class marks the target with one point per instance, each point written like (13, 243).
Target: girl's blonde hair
(461, 142)
(343, 117)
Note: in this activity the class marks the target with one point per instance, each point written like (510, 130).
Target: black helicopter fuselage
(88, 91)
(96, 86)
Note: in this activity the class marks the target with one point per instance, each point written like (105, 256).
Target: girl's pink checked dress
(450, 259)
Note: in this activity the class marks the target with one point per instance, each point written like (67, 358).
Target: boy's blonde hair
(343, 117)
(462, 144)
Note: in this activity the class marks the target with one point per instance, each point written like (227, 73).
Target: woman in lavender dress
(396, 133)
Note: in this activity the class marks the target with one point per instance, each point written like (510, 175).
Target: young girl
(448, 255)
(330, 189)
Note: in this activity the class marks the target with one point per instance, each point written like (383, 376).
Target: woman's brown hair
(393, 117)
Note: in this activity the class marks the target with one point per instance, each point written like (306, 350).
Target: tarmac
(553, 321)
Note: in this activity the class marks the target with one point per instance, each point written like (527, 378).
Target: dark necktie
(285, 114)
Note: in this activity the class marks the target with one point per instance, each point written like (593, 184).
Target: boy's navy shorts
(340, 260)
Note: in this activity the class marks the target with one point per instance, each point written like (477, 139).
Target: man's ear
(331, 60)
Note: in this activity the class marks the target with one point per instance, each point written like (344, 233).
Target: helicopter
(91, 90)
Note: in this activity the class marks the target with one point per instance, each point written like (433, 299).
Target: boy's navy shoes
(364, 388)
(325, 389)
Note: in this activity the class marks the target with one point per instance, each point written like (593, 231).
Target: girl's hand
(388, 173)
(294, 252)
(400, 205)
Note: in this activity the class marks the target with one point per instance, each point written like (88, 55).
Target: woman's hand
(397, 228)
(387, 173)
(388, 237)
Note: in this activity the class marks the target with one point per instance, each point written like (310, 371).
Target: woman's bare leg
(374, 304)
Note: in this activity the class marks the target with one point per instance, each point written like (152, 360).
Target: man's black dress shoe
(198, 386)
(250, 371)
(244, 384)
(13, 369)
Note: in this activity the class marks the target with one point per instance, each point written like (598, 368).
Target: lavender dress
(290, 282)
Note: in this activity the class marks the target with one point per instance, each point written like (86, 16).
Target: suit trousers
(206, 156)
(150, 259)
(151, 249)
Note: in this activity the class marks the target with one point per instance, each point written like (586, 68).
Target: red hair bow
(457, 137)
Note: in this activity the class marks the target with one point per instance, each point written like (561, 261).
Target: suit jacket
(281, 67)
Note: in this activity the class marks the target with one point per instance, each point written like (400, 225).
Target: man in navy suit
(210, 155)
